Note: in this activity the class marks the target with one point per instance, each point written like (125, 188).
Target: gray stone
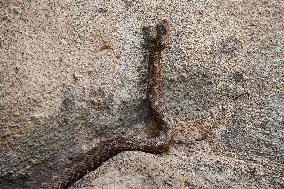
(73, 73)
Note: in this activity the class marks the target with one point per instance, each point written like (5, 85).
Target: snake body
(156, 39)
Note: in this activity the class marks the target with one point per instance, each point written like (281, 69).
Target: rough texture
(73, 73)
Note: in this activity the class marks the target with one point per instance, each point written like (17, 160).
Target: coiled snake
(156, 39)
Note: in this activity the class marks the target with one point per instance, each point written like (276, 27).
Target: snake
(156, 40)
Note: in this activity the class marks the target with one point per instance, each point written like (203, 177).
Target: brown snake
(156, 41)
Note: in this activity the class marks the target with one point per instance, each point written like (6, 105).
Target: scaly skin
(157, 40)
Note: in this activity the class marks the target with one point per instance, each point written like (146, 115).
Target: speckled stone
(73, 73)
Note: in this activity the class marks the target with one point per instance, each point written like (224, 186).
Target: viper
(156, 40)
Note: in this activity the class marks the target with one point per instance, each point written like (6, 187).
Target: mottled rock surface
(73, 73)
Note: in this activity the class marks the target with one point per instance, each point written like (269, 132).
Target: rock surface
(73, 73)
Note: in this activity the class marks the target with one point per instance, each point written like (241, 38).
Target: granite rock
(73, 73)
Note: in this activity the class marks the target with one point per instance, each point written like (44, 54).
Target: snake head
(157, 38)
(162, 38)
